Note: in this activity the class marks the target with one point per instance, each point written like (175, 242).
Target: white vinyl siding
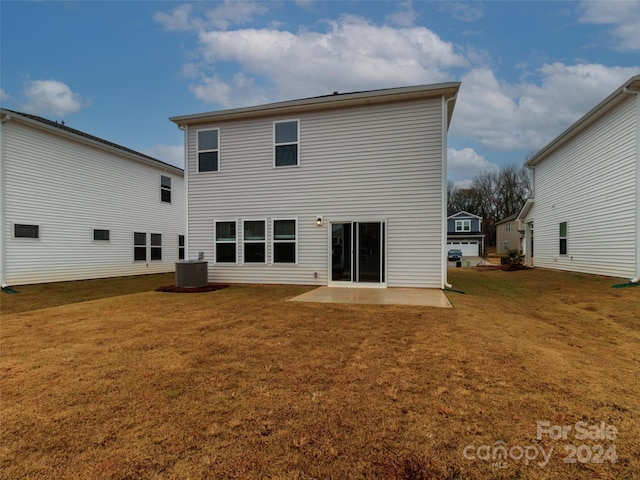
(349, 172)
(92, 188)
(591, 183)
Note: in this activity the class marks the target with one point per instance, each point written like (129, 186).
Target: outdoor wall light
(319, 221)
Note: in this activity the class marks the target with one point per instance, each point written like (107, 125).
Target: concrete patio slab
(426, 297)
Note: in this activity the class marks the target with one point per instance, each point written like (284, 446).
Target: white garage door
(469, 249)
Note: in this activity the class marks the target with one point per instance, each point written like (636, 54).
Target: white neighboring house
(341, 190)
(74, 206)
(586, 202)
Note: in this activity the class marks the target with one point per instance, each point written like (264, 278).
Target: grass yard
(238, 383)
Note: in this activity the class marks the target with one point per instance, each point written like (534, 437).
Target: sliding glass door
(358, 252)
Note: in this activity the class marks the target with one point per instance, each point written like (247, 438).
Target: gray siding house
(74, 206)
(509, 234)
(344, 189)
(586, 201)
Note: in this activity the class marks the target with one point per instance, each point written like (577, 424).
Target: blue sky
(118, 70)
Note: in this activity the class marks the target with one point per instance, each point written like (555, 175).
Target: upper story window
(463, 225)
(26, 231)
(100, 234)
(563, 238)
(286, 143)
(208, 150)
(507, 227)
(165, 189)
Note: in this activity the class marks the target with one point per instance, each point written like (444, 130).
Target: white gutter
(3, 232)
(445, 129)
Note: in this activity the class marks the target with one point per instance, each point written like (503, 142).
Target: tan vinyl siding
(69, 188)
(591, 184)
(381, 162)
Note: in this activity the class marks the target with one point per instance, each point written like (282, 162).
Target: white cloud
(178, 19)
(234, 12)
(405, 16)
(622, 16)
(230, 12)
(466, 12)
(351, 55)
(51, 97)
(527, 115)
(171, 154)
(464, 164)
(4, 95)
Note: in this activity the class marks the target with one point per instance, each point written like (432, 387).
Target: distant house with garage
(75, 206)
(464, 233)
(339, 190)
(586, 199)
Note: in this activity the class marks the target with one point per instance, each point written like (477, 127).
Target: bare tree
(493, 195)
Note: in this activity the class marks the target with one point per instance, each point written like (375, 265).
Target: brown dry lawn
(239, 383)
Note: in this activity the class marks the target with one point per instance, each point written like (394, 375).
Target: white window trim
(287, 143)
(273, 240)
(215, 241)
(198, 151)
(459, 225)
(265, 241)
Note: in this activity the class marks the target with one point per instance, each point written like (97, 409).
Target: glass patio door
(358, 252)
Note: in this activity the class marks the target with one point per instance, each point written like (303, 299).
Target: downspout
(626, 90)
(445, 130)
(3, 247)
(185, 129)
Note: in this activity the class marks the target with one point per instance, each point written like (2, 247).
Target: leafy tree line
(492, 195)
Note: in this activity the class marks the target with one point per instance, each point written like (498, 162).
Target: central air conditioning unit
(192, 273)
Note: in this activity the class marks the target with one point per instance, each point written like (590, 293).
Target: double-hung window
(563, 238)
(165, 189)
(286, 143)
(226, 242)
(140, 246)
(208, 150)
(284, 241)
(254, 246)
(156, 246)
(463, 225)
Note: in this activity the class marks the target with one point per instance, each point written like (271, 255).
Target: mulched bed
(211, 287)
